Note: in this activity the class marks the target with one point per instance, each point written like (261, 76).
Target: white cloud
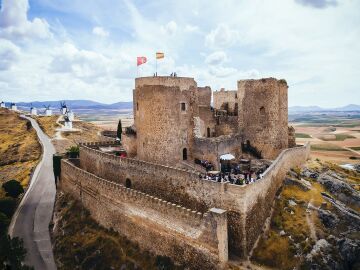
(99, 31)
(191, 28)
(216, 58)
(9, 54)
(221, 37)
(170, 28)
(222, 72)
(14, 23)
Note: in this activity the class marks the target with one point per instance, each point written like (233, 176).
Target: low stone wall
(248, 206)
(189, 237)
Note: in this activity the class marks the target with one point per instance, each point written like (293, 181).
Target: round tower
(164, 108)
(263, 114)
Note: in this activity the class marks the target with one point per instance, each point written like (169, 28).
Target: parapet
(263, 80)
(184, 83)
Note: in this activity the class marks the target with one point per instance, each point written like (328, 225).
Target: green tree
(13, 188)
(4, 223)
(12, 253)
(119, 130)
(73, 151)
(8, 206)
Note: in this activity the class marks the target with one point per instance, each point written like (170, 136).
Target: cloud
(99, 31)
(221, 72)
(169, 29)
(216, 58)
(14, 23)
(191, 28)
(317, 3)
(83, 64)
(9, 54)
(222, 36)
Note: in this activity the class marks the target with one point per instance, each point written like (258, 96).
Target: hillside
(19, 148)
(316, 221)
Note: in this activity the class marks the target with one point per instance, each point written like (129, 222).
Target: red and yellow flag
(160, 55)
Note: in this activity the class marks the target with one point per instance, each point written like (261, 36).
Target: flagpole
(155, 65)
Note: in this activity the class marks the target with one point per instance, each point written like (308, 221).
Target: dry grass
(19, 148)
(48, 124)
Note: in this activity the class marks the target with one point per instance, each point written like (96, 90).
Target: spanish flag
(159, 55)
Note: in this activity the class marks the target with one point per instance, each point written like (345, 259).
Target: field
(19, 148)
(334, 136)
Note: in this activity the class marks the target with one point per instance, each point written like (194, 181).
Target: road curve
(31, 220)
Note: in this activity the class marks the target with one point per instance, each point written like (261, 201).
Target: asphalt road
(32, 218)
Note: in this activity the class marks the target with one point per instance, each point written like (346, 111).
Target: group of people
(236, 179)
(204, 163)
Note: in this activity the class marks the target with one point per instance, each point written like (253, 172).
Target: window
(262, 114)
(235, 95)
(208, 132)
(137, 106)
(184, 154)
(128, 183)
(183, 106)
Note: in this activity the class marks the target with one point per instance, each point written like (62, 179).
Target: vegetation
(326, 147)
(80, 243)
(13, 188)
(48, 124)
(119, 130)
(73, 151)
(12, 253)
(19, 148)
(337, 137)
(302, 135)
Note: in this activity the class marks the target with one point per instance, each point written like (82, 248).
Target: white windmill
(33, 110)
(71, 115)
(13, 107)
(48, 111)
(63, 108)
(2, 104)
(68, 122)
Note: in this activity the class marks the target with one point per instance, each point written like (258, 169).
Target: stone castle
(157, 196)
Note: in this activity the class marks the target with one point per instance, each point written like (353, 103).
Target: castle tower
(164, 108)
(263, 114)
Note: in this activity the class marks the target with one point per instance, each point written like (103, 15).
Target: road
(32, 218)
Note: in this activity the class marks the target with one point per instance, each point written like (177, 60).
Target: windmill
(33, 110)
(13, 106)
(71, 115)
(48, 111)
(2, 104)
(63, 108)
(68, 122)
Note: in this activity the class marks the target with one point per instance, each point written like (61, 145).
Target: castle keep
(161, 196)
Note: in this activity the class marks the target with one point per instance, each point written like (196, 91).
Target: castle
(158, 196)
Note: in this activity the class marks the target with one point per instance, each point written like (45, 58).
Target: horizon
(52, 52)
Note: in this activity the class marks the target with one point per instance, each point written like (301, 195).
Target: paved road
(31, 220)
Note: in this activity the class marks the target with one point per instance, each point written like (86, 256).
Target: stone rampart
(248, 206)
(165, 228)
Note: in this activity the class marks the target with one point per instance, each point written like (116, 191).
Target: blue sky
(76, 49)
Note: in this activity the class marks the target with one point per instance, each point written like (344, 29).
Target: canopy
(227, 157)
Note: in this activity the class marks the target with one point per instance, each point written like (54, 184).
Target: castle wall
(223, 97)
(248, 206)
(191, 238)
(263, 114)
(130, 145)
(204, 96)
(226, 125)
(211, 148)
(163, 127)
(207, 116)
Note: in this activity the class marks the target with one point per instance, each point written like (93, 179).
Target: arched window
(128, 183)
(208, 132)
(262, 114)
(184, 152)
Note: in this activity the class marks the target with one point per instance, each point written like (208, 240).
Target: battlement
(184, 83)
(120, 192)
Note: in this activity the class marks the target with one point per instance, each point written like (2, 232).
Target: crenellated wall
(248, 205)
(189, 237)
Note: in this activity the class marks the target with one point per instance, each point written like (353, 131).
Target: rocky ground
(316, 221)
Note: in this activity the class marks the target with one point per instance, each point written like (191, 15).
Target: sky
(76, 49)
